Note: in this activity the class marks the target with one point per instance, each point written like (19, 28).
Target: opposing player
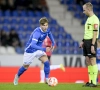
(98, 58)
(89, 43)
(34, 49)
(47, 43)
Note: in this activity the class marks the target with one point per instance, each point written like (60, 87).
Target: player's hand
(48, 49)
(93, 50)
(81, 45)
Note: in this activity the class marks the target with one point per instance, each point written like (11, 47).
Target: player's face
(85, 10)
(44, 27)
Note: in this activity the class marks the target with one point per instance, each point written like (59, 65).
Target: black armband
(95, 30)
(83, 40)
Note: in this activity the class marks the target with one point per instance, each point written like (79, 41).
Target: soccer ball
(52, 81)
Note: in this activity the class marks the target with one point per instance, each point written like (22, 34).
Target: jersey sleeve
(95, 24)
(35, 38)
(51, 38)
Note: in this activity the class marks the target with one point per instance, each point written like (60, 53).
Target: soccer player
(89, 43)
(34, 49)
(98, 57)
(47, 43)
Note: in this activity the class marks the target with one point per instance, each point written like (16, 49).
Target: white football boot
(16, 80)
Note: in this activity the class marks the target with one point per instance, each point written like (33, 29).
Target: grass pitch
(37, 86)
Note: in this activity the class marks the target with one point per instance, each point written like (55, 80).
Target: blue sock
(21, 71)
(46, 69)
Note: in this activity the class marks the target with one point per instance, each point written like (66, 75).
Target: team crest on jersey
(95, 26)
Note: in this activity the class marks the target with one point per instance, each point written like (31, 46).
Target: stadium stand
(10, 50)
(23, 21)
(3, 50)
(75, 6)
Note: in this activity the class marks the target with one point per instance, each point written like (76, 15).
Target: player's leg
(90, 72)
(45, 60)
(60, 66)
(94, 72)
(89, 67)
(20, 72)
(53, 67)
(28, 58)
(42, 75)
(94, 67)
(86, 50)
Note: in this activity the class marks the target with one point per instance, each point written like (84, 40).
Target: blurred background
(18, 18)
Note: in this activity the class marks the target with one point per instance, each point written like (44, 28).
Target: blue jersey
(36, 39)
(98, 55)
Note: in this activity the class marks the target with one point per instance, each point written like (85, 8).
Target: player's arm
(52, 40)
(81, 44)
(95, 32)
(35, 38)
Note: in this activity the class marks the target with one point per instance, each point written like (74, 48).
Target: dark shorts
(87, 48)
(49, 57)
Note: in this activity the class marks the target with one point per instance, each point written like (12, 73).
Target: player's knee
(26, 66)
(87, 62)
(43, 58)
(93, 61)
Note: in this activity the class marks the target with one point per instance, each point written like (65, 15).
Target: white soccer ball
(52, 81)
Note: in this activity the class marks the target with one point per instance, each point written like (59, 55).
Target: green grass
(37, 86)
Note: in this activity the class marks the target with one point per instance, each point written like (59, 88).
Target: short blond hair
(89, 6)
(43, 20)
